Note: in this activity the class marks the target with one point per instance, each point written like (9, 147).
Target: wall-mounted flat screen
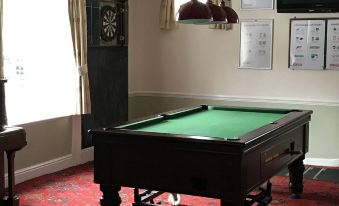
(305, 6)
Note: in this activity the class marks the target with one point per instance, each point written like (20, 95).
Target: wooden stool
(12, 139)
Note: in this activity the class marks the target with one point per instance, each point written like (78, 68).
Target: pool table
(211, 151)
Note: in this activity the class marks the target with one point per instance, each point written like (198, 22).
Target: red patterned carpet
(75, 187)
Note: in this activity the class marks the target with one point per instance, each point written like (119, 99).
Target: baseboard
(322, 162)
(50, 166)
(42, 169)
(87, 155)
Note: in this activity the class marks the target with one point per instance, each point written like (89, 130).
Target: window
(38, 60)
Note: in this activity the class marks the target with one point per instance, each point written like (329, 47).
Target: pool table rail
(292, 119)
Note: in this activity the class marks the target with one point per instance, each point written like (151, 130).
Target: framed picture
(307, 43)
(332, 53)
(257, 4)
(256, 44)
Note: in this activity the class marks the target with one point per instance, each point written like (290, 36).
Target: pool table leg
(296, 173)
(110, 195)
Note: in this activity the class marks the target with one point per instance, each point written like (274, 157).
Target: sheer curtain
(167, 15)
(38, 60)
(77, 17)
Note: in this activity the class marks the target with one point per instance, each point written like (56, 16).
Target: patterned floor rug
(74, 187)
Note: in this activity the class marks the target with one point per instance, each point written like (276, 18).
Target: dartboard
(108, 23)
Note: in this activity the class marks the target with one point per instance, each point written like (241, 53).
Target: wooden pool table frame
(201, 166)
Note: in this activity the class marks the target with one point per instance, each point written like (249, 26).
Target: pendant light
(218, 14)
(231, 15)
(194, 12)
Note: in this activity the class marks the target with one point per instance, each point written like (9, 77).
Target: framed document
(256, 4)
(256, 44)
(307, 44)
(332, 53)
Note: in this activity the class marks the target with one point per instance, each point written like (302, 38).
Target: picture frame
(332, 44)
(256, 4)
(307, 43)
(256, 44)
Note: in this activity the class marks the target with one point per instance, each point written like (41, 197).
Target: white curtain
(78, 21)
(167, 15)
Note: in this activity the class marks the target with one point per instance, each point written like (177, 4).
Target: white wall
(46, 140)
(194, 64)
(198, 60)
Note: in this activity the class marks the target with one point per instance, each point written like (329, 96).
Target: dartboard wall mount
(107, 23)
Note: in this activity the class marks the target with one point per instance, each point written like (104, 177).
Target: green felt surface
(222, 123)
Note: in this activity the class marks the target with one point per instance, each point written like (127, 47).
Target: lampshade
(231, 15)
(218, 14)
(194, 12)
